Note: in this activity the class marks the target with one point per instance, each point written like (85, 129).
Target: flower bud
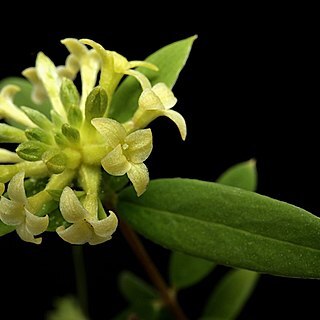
(37, 134)
(69, 94)
(55, 161)
(37, 118)
(31, 150)
(96, 104)
(72, 134)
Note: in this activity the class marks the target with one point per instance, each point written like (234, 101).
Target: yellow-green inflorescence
(53, 180)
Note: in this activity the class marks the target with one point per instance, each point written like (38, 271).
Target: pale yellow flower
(15, 212)
(39, 93)
(128, 152)
(86, 227)
(8, 110)
(114, 66)
(88, 62)
(153, 103)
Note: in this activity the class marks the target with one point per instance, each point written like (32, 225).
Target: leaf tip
(252, 162)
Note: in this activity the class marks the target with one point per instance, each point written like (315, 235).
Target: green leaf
(242, 175)
(66, 308)
(141, 296)
(185, 270)
(23, 97)
(56, 220)
(227, 225)
(33, 186)
(170, 60)
(230, 295)
(125, 315)
(4, 229)
(134, 289)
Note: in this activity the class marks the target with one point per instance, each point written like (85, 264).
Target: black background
(247, 91)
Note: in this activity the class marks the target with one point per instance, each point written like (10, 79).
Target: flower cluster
(54, 179)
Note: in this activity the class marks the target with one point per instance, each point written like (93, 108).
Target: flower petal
(9, 110)
(70, 206)
(145, 64)
(11, 212)
(26, 235)
(150, 101)
(139, 145)
(16, 188)
(39, 93)
(106, 227)
(98, 240)
(78, 233)
(36, 225)
(143, 80)
(139, 176)
(165, 95)
(178, 119)
(7, 156)
(89, 62)
(115, 162)
(112, 131)
(48, 74)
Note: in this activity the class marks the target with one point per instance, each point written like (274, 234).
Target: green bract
(66, 137)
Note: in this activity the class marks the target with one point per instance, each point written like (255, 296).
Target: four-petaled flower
(155, 102)
(128, 152)
(115, 66)
(15, 212)
(85, 225)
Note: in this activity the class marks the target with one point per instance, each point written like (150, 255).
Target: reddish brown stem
(152, 271)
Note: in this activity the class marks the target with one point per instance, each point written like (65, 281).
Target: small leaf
(230, 295)
(170, 60)
(31, 150)
(56, 220)
(185, 270)
(227, 225)
(66, 308)
(134, 289)
(23, 97)
(140, 295)
(33, 186)
(242, 175)
(115, 183)
(125, 315)
(4, 229)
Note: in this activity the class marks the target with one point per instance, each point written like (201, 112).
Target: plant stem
(152, 271)
(80, 275)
